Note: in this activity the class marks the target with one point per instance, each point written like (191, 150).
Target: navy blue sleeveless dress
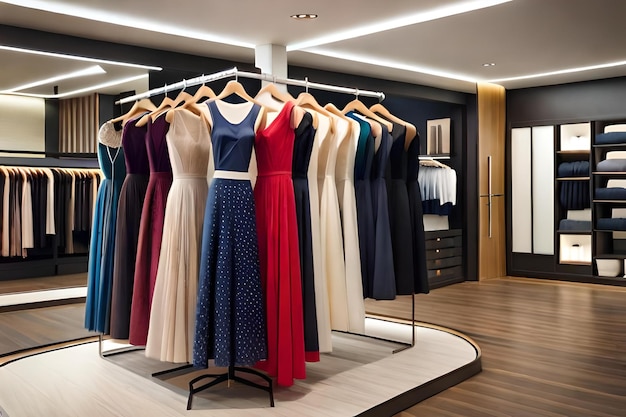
(384, 278)
(230, 317)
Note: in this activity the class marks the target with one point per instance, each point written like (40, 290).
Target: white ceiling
(522, 37)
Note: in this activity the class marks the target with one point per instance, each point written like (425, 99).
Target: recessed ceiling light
(489, 64)
(304, 16)
(402, 21)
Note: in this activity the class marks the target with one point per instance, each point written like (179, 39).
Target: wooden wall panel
(491, 143)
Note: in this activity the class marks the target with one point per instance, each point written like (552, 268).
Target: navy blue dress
(230, 319)
(363, 193)
(102, 247)
(417, 218)
(302, 149)
(384, 278)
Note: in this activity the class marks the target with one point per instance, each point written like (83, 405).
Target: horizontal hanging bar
(264, 77)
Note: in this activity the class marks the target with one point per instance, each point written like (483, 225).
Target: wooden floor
(38, 327)
(44, 283)
(549, 348)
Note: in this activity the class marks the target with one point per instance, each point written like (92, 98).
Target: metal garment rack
(234, 72)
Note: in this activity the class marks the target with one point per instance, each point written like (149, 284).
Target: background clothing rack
(234, 72)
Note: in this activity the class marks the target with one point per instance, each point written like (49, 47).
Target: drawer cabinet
(444, 257)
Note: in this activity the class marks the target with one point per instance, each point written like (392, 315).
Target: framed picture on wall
(438, 137)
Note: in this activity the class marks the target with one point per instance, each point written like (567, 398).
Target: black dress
(384, 278)
(399, 213)
(303, 146)
(417, 218)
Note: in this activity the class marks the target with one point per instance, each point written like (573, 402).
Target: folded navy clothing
(612, 224)
(612, 193)
(574, 195)
(573, 169)
(567, 224)
(612, 165)
(611, 138)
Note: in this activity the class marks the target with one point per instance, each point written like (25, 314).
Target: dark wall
(583, 101)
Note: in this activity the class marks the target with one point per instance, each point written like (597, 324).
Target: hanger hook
(184, 85)
(203, 80)
(306, 84)
(356, 93)
(381, 97)
(236, 76)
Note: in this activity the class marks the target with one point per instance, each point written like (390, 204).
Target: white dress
(172, 318)
(333, 264)
(344, 176)
(321, 290)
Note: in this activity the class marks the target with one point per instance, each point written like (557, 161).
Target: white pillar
(272, 59)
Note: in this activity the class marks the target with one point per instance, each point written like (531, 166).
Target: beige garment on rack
(322, 306)
(28, 238)
(333, 261)
(344, 178)
(50, 228)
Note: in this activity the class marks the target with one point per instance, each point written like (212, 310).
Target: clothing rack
(234, 72)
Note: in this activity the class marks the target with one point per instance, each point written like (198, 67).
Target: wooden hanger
(358, 106)
(411, 130)
(165, 105)
(306, 100)
(334, 111)
(203, 91)
(273, 91)
(235, 87)
(138, 107)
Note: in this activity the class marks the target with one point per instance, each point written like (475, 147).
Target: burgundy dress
(151, 229)
(129, 210)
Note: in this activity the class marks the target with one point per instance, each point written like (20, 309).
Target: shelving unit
(574, 247)
(608, 244)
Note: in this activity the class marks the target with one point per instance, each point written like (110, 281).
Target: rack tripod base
(230, 376)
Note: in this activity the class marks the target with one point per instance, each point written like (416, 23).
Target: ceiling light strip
(381, 62)
(93, 70)
(120, 19)
(77, 58)
(89, 89)
(560, 72)
(413, 19)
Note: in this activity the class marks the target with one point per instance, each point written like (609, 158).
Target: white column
(272, 59)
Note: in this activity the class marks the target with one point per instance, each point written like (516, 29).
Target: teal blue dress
(102, 246)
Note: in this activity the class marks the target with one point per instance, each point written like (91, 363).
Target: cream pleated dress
(172, 318)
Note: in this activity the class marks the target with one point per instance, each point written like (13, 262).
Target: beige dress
(321, 290)
(172, 318)
(333, 263)
(344, 177)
